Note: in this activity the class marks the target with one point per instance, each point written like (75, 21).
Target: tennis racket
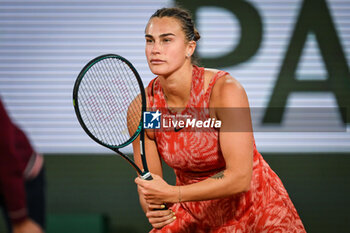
(109, 101)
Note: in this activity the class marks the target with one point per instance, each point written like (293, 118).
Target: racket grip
(148, 176)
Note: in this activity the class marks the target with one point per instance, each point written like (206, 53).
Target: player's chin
(158, 69)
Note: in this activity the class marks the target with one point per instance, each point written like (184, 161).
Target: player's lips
(157, 61)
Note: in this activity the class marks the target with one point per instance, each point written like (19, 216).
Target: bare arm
(236, 143)
(153, 161)
(157, 217)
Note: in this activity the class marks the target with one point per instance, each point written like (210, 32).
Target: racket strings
(107, 98)
(134, 110)
(110, 101)
(101, 111)
(136, 105)
(93, 102)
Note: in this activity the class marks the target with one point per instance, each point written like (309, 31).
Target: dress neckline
(196, 73)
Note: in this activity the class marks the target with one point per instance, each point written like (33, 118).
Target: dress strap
(150, 92)
(212, 82)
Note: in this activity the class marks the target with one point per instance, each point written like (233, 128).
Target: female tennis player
(223, 183)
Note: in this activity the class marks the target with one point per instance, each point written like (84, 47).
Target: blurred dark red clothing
(17, 162)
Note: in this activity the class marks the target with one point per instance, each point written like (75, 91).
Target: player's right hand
(157, 217)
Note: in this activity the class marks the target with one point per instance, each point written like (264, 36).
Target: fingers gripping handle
(148, 176)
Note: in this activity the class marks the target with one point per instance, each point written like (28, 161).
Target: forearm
(143, 202)
(219, 186)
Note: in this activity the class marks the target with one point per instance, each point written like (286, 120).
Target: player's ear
(191, 47)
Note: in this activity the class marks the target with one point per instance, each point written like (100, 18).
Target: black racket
(109, 101)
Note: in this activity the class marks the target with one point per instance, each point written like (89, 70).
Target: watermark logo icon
(152, 120)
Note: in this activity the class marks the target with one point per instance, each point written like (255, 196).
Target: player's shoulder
(226, 82)
(227, 91)
(149, 89)
(150, 85)
(210, 74)
(210, 71)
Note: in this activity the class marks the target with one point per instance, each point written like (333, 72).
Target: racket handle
(148, 176)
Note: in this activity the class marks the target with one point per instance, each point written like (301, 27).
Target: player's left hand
(157, 190)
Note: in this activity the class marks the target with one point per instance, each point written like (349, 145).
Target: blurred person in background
(22, 179)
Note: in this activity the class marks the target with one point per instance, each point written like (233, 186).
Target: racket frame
(144, 174)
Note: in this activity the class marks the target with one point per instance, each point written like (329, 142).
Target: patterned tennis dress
(195, 156)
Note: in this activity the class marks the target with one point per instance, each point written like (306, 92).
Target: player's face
(166, 46)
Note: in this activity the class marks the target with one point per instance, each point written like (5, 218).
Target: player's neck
(177, 87)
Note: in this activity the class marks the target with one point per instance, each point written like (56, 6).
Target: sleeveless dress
(196, 156)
